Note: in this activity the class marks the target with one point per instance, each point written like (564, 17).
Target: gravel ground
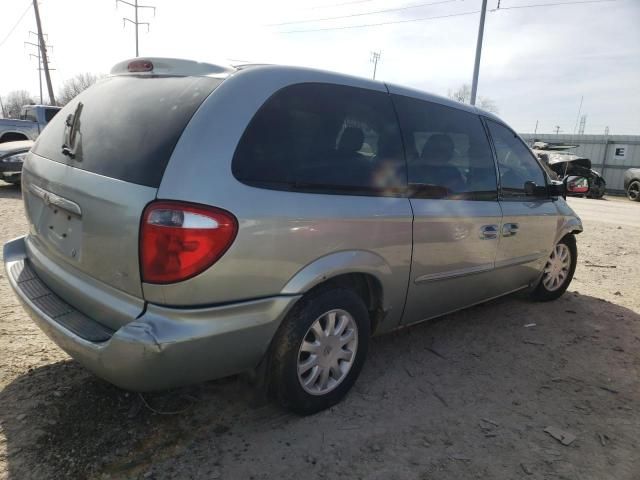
(467, 396)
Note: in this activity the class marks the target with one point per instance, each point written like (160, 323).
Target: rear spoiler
(170, 66)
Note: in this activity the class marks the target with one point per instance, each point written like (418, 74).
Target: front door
(529, 222)
(457, 217)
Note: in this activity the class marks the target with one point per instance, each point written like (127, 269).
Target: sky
(537, 62)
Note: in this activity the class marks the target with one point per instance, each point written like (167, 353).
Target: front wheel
(633, 191)
(319, 350)
(597, 189)
(558, 271)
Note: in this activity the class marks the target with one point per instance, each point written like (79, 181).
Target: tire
(597, 190)
(547, 289)
(633, 191)
(301, 325)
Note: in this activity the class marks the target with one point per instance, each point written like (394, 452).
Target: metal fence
(611, 155)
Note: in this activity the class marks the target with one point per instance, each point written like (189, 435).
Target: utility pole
(583, 123)
(476, 66)
(375, 57)
(43, 53)
(579, 112)
(135, 21)
(536, 129)
(39, 70)
(4, 113)
(39, 58)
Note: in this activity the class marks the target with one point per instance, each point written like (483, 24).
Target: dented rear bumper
(162, 348)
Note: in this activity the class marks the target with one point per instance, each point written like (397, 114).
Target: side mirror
(557, 189)
(576, 185)
(532, 189)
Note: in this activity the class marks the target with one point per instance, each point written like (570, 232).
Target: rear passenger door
(453, 193)
(529, 222)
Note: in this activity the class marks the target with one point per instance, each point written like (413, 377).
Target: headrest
(351, 140)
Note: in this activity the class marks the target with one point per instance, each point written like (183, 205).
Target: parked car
(192, 221)
(12, 155)
(565, 164)
(33, 119)
(632, 184)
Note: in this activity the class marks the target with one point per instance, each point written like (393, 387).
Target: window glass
(516, 162)
(49, 113)
(323, 138)
(448, 153)
(128, 125)
(30, 114)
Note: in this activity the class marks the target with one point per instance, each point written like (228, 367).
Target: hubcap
(327, 352)
(634, 191)
(556, 270)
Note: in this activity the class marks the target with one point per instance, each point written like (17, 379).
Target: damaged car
(12, 155)
(564, 164)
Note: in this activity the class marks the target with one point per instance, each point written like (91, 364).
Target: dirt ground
(467, 396)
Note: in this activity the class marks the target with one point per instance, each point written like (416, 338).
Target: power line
(16, 25)
(340, 4)
(397, 9)
(384, 23)
(554, 4)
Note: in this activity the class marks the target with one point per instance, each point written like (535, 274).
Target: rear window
(127, 127)
(49, 113)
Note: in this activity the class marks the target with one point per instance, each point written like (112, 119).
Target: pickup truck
(33, 119)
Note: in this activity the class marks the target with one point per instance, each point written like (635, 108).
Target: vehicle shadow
(8, 190)
(466, 395)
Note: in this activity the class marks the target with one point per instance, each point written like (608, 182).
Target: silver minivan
(190, 221)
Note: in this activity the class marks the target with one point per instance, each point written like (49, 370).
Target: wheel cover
(556, 271)
(634, 191)
(327, 352)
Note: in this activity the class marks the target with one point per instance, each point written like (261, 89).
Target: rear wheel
(558, 271)
(633, 191)
(319, 350)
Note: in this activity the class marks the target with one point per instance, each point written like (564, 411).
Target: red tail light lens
(180, 240)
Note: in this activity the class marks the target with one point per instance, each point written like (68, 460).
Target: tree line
(12, 102)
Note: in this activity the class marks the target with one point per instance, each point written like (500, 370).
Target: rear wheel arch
(365, 285)
(364, 272)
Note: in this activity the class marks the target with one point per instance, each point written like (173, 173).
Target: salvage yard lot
(467, 396)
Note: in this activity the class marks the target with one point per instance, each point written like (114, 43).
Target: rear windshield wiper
(72, 126)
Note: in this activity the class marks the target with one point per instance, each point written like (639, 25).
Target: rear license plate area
(62, 230)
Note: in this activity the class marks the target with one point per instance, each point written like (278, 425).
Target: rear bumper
(164, 347)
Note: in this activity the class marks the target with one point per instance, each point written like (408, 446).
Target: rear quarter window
(323, 138)
(128, 126)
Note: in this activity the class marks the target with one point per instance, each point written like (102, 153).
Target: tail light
(180, 240)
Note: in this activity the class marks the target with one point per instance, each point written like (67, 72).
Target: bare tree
(75, 85)
(462, 94)
(14, 101)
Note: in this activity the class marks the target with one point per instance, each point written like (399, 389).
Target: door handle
(489, 232)
(509, 229)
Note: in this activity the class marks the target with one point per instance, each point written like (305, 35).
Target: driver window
(516, 163)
